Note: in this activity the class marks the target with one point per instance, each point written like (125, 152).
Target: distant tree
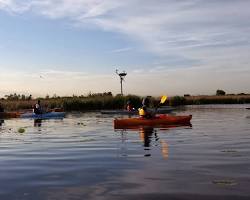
(186, 95)
(220, 92)
(12, 96)
(29, 97)
(107, 94)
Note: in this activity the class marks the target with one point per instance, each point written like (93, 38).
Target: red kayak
(4, 115)
(159, 120)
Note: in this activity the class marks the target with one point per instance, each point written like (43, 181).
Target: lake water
(83, 157)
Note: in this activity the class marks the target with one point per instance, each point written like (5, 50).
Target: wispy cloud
(187, 28)
(122, 50)
(62, 75)
(212, 35)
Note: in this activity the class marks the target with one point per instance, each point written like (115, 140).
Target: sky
(172, 47)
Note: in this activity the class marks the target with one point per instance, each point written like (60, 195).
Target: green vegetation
(219, 98)
(226, 99)
(98, 101)
(177, 101)
(89, 102)
(18, 97)
(21, 130)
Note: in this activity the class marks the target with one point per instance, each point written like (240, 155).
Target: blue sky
(169, 47)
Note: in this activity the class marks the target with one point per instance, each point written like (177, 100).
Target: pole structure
(121, 86)
(122, 76)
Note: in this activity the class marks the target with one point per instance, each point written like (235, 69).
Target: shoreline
(109, 102)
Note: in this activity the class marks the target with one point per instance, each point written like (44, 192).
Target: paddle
(163, 99)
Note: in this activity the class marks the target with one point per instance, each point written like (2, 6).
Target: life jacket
(142, 112)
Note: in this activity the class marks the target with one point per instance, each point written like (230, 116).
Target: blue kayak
(162, 110)
(49, 115)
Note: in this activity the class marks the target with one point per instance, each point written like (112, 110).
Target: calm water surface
(83, 157)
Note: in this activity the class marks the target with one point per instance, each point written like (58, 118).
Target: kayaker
(37, 108)
(144, 110)
(129, 106)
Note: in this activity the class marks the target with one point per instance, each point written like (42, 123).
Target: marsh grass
(227, 99)
(74, 103)
(92, 103)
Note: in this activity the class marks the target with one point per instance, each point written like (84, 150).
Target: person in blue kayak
(144, 111)
(37, 108)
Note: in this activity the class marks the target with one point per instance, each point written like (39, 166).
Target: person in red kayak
(37, 108)
(144, 111)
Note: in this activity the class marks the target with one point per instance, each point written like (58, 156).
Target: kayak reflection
(149, 133)
(146, 135)
(149, 139)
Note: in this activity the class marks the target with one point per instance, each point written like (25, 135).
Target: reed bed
(93, 103)
(225, 99)
(74, 103)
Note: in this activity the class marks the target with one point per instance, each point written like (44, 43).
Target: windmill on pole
(122, 76)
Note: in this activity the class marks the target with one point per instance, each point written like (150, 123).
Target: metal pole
(121, 75)
(121, 86)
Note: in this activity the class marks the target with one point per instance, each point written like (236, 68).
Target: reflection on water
(149, 133)
(37, 122)
(149, 138)
(82, 157)
(146, 135)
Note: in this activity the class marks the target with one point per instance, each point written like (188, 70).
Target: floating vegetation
(225, 182)
(21, 130)
(81, 124)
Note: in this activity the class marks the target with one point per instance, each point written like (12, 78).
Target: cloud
(125, 49)
(187, 29)
(184, 36)
(62, 75)
(15, 7)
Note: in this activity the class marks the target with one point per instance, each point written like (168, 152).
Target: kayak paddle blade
(163, 99)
